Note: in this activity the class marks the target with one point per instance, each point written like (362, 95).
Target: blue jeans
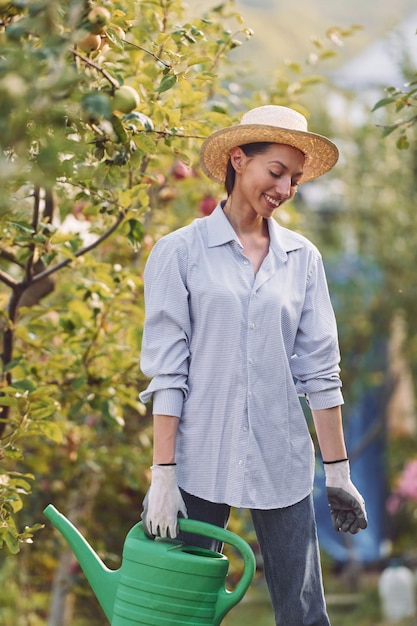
(288, 542)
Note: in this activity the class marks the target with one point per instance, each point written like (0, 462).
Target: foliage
(401, 503)
(398, 202)
(81, 182)
(402, 101)
(403, 498)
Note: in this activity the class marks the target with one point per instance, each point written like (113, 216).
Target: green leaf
(11, 540)
(27, 475)
(198, 61)
(401, 104)
(383, 103)
(110, 413)
(145, 143)
(114, 37)
(78, 382)
(22, 227)
(294, 67)
(16, 502)
(167, 82)
(97, 105)
(403, 143)
(51, 430)
(34, 528)
(24, 385)
(119, 129)
(388, 130)
(141, 118)
(135, 232)
(13, 453)
(312, 80)
(22, 485)
(8, 401)
(328, 54)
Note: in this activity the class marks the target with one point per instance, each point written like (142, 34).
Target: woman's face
(265, 181)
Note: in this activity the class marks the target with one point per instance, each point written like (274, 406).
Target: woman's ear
(237, 158)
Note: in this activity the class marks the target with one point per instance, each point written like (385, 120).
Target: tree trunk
(62, 599)
(80, 506)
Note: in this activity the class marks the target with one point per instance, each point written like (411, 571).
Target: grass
(361, 608)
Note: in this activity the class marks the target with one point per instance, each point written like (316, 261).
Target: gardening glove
(347, 507)
(163, 503)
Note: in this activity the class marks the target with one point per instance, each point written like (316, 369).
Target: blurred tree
(96, 102)
(398, 124)
(96, 118)
(363, 219)
(402, 101)
(102, 106)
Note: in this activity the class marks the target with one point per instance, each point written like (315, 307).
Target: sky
(284, 29)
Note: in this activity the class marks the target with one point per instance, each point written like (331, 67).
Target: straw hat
(275, 124)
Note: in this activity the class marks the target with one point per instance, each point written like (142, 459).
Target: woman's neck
(252, 231)
(244, 220)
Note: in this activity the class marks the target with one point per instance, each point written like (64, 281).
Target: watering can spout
(103, 581)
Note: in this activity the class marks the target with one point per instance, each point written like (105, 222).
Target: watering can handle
(229, 598)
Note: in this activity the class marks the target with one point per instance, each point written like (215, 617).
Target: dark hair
(250, 149)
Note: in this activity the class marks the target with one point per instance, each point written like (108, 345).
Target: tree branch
(35, 225)
(8, 280)
(10, 256)
(99, 69)
(66, 262)
(154, 56)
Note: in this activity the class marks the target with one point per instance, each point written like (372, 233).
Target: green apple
(89, 43)
(98, 18)
(125, 99)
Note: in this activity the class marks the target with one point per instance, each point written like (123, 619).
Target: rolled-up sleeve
(166, 336)
(315, 362)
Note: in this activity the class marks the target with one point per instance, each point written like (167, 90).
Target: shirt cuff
(324, 399)
(168, 402)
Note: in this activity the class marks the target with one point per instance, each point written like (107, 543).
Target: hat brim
(321, 154)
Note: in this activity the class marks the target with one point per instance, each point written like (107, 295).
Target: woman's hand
(163, 503)
(347, 507)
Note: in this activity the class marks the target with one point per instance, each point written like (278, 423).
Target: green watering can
(162, 582)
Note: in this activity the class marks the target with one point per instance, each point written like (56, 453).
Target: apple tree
(403, 101)
(101, 104)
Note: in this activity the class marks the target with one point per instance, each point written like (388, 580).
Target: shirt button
(250, 361)
(240, 462)
(252, 326)
(244, 429)
(246, 262)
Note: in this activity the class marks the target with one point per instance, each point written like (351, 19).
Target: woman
(239, 325)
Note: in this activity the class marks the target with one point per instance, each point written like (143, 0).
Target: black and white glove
(347, 507)
(163, 503)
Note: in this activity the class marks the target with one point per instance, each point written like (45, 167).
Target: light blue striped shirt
(229, 352)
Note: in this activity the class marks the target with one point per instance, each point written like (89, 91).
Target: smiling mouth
(275, 202)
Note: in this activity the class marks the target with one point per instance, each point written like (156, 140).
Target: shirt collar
(283, 240)
(220, 232)
(219, 229)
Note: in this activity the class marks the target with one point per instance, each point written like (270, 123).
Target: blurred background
(90, 183)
